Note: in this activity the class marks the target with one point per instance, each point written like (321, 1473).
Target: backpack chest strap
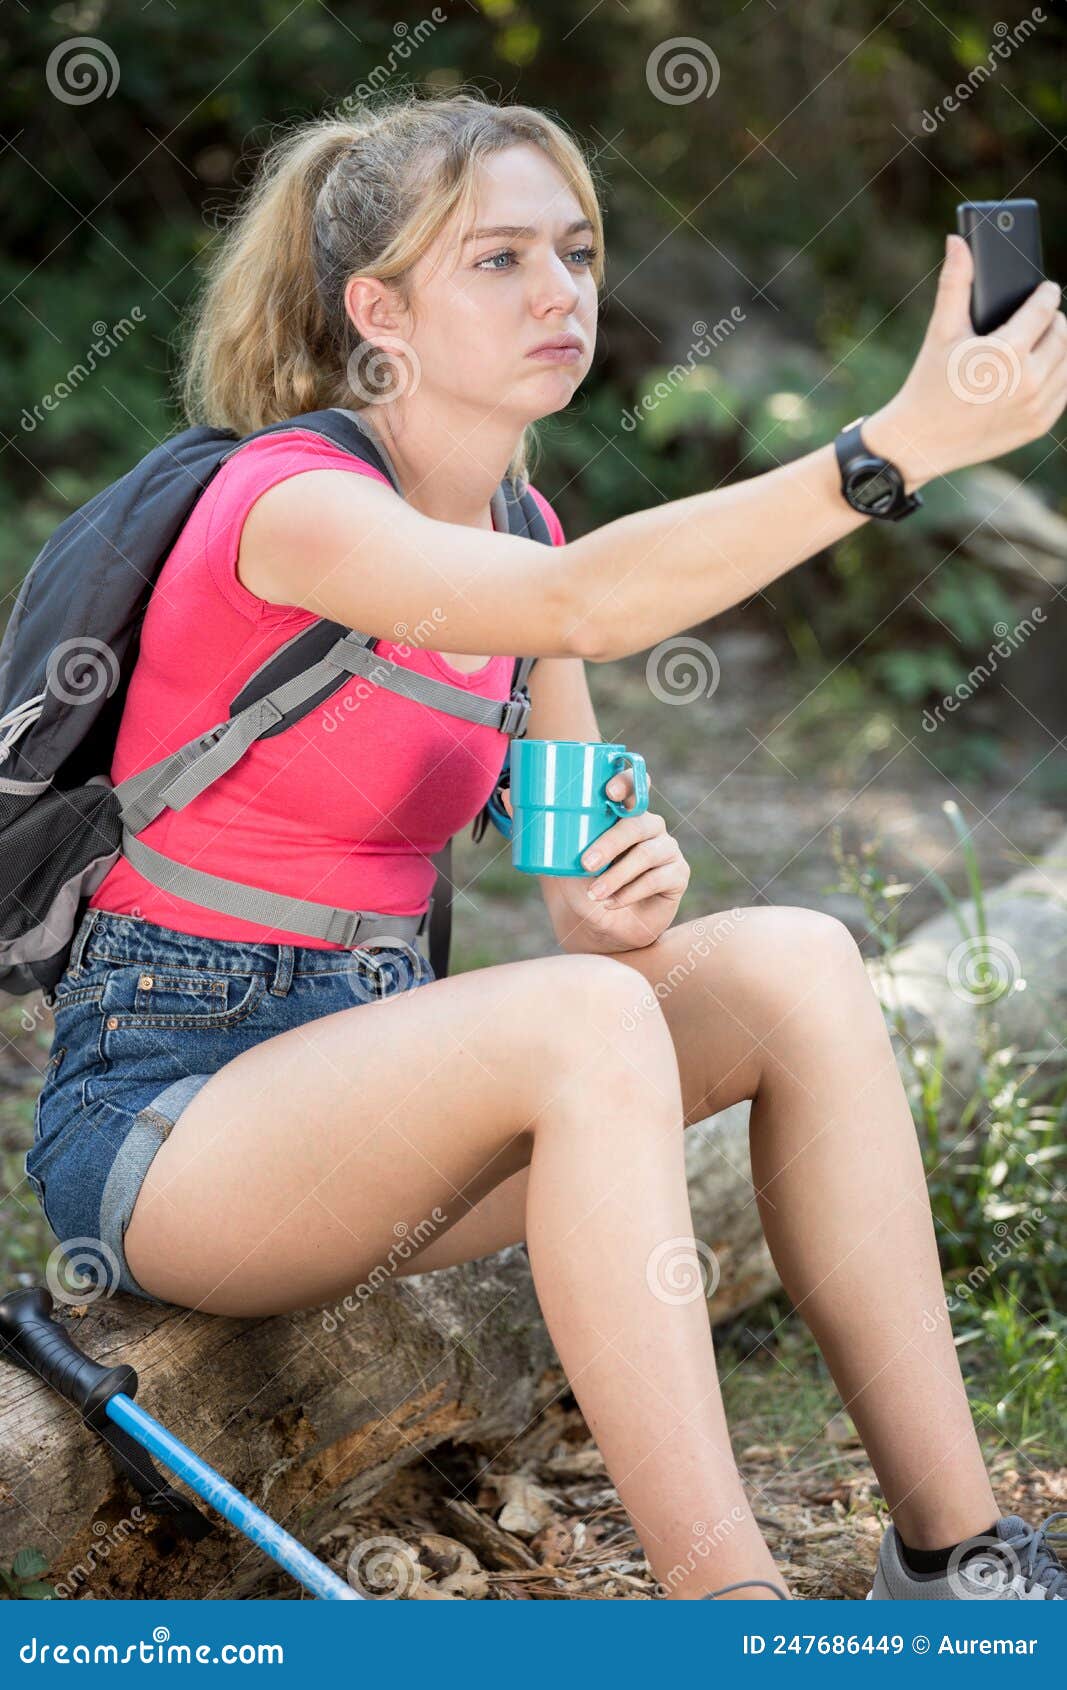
(180, 777)
(276, 909)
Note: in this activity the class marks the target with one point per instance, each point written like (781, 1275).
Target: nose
(554, 288)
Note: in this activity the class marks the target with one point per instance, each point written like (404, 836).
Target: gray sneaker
(1017, 1564)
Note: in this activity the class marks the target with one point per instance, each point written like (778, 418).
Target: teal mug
(559, 805)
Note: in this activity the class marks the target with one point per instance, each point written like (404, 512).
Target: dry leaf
(448, 1570)
(554, 1544)
(576, 1464)
(840, 1430)
(527, 1506)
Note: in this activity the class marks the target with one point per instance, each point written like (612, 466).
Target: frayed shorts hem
(126, 1176)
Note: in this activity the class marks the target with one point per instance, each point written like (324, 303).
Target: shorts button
(146, 981)
(112, 1021)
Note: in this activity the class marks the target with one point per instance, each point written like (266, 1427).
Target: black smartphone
(1005, 241)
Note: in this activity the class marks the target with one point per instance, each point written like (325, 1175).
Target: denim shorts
(143, 1016)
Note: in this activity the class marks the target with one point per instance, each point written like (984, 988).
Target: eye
(491, 261)
(583, 254)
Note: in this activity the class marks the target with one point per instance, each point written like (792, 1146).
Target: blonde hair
(335, 197)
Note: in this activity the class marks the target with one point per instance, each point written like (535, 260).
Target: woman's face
(484, 301)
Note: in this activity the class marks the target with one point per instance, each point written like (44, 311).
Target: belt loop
(283, 972)
(81, 939)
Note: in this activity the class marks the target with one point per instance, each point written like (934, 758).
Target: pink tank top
(345, 807)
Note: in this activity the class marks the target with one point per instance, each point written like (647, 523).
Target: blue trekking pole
(31, 1339)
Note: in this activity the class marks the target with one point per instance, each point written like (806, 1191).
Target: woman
(263, 1152)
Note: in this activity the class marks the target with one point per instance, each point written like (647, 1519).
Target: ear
(373, 307)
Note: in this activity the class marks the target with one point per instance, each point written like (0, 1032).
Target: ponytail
(335, 197)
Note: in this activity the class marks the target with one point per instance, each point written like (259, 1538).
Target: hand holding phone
(1005, 241)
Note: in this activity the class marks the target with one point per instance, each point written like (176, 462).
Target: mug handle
(637, 762)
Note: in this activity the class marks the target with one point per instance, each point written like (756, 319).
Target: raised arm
(348, 548)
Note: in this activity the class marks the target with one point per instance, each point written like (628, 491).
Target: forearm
(648, 575)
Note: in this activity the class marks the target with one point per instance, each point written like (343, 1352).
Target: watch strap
(850, 445)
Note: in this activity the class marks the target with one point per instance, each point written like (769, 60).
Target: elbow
(586, 641)
(580, 625)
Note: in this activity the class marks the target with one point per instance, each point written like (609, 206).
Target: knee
(604, 994)
(818, 940)
(601, 1005)
(813, 965)
(613, 1055)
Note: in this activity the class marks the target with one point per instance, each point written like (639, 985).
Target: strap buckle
(195, 747)
(344, 926)
(516, 715)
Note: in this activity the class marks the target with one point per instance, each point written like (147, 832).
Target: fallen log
(308, 1414)
(311, 1414)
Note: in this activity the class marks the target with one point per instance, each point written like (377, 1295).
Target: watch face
(873, 486)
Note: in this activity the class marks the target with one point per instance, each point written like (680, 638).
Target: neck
(446, 471)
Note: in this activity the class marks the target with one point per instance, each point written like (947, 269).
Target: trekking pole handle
(31, 1339)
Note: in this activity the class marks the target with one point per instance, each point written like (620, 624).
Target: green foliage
(994, 1166)
(824, 225)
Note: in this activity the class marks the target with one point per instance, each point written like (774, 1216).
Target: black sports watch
(872, 485)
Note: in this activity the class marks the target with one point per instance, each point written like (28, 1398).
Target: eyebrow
(518, 231)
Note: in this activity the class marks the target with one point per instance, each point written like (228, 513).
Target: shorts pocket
(140, 996)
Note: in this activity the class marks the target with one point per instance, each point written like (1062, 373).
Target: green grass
(995, 1173)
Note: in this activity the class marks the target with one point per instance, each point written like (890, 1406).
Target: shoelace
(1038, 1561)
(741, 1585)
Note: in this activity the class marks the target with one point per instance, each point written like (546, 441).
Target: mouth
(561, 349)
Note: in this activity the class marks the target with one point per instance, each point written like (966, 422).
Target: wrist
(889, 433)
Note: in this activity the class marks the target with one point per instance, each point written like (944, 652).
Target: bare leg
(525, 1065)
(780, 1009)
